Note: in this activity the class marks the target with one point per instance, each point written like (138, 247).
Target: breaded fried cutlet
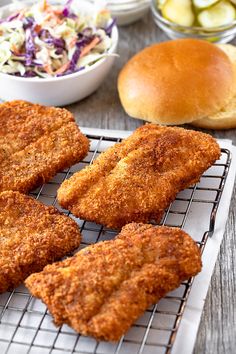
(36, 142)
(32, 235)
(137, 179)
(104, 288)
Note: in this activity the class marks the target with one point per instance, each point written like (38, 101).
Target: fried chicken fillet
(31, 236)
(104, 288)
(137, 179)
(36, 142)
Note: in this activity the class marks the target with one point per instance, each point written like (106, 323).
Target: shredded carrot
(45, 5)
(59, 22)
(46, 18)
(89, 47)
(72, 43)
(62, 69)
(15, 50)
(57, 12)
(48, 69)
(37, 28)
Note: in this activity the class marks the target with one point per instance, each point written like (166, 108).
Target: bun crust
(226, 117)
(216, 124)
(176, 82)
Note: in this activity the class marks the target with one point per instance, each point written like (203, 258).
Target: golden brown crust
(135, 180)
(35, 143)
(228, 121)
(176, 82)
(31, 236)
(226, 117)
(105, 287)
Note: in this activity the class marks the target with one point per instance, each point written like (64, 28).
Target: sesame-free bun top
(176, 82)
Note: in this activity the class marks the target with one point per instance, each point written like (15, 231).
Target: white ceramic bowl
(128, 11)
(58, 91)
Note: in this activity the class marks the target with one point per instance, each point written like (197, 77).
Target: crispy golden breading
(35, 143)
(135, 180)
(105, 287)
(31, 236)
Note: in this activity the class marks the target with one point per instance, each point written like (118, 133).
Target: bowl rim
(129, 11)
(156, 12)
(126, 1)
(112, 49)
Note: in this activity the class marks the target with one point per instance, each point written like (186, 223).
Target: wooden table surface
(217, 332)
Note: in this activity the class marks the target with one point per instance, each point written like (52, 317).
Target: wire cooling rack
(26, 325)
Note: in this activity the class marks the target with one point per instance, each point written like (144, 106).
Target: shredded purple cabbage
(69, 71)
(57, 42)
(81, 43)
(69, 2)
(85, 37)
(59, 51)
(87, 32)
(72, 16)
(29, 47)
(29, 73)
(10, 18)
(110, 27)
(66, 10)
(43, 33)
(74, 60)
(28, 62)
(28, 22)
(84, 41)
(46, 36)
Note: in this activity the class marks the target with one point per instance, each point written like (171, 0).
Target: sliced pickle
(204, 4)
(179, 12)
(222, 13)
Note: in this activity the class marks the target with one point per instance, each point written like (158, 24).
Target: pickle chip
(204, 4)
(179, 12)
(220, 14)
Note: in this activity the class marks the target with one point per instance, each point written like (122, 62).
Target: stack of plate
(128, 11)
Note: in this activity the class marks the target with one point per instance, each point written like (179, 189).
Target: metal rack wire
(26, 325)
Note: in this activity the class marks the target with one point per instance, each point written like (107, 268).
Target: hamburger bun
(176, 82)
(226, 117)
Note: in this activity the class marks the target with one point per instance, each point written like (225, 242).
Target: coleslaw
(45, 40)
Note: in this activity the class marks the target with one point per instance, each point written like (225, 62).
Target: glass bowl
(222, 34)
